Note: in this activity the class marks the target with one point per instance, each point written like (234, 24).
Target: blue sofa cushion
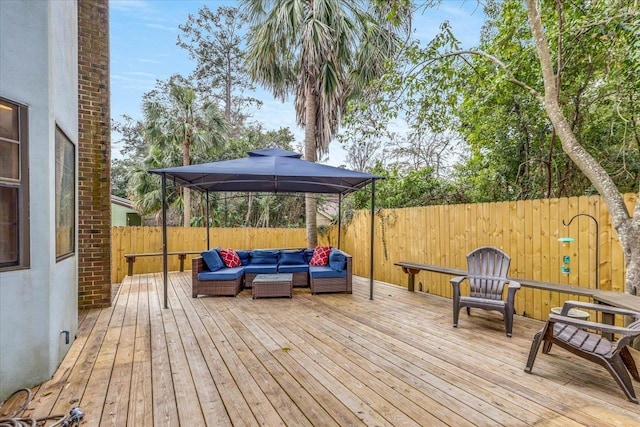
(261, 269)
(308, 254)
(212, 260)
(292, 258)
(245, 257)
(222, 274)
(293, 268)
(337, 260)
(326, 272)
(264, 257)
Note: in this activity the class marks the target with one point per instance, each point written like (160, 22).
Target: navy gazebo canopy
(270, 170)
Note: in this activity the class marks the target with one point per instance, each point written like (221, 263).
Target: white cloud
(142, 74)
(162, 27)
(150, 61)
(129, 5)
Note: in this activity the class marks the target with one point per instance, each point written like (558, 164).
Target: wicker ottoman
(272, 285)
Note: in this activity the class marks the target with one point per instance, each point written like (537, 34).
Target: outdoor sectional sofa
(336, 276)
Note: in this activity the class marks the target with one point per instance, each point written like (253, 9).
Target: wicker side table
(272, 285)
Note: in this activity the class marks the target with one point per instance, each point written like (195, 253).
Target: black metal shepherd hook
(597, 242)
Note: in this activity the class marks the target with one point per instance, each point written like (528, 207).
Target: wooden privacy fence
(527, 230)
(142, 240)
(442, 235)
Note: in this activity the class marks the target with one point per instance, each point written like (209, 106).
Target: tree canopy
(545, 105)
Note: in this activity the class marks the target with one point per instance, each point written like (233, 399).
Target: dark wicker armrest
(197, 265)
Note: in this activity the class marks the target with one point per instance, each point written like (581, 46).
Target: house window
(65, 196)
(14, 185)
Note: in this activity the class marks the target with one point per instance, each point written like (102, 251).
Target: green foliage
(402, 190)
(326, 50)
(512, 151)
(225, 210)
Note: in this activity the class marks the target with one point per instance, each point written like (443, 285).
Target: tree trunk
(310, 151)
(186, 192)
(628, 227)
(247, 220)
(227, 90)
(633, 269)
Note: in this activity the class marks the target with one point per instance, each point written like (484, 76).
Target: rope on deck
(19, 420)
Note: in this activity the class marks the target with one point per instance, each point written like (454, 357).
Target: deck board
(329, 359)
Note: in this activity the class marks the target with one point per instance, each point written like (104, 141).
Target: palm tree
(322, 52)
(182, 120)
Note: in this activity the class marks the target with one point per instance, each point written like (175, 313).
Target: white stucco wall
(38, 53)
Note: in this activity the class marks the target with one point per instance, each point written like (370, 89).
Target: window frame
(22, 185)
(65, 142)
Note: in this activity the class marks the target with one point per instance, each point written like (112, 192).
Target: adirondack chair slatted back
(488, 268)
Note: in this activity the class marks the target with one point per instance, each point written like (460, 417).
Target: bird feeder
(566, 241)
(565, 268)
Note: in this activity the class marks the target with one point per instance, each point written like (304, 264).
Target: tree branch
(510, 76)
(570, 145)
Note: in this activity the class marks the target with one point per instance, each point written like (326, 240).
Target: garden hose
(17, 420)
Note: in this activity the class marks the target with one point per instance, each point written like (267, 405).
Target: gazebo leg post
(373, 210)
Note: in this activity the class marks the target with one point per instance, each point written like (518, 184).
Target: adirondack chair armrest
(512, 287)
(455, 282)
(585, 324)
(598, 307)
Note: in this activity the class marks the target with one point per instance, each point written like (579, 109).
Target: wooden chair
(575, 336)
(487, 275)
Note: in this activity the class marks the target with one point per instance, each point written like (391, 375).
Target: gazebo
(269, 170)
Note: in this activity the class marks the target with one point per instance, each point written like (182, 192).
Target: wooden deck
(331, 359)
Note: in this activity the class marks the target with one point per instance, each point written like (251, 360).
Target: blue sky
(143, 50)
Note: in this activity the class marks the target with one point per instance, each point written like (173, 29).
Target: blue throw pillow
(292, 257)
(245, 257)
(264, 257)
(212, 259)
(337, 260)
(308, 254)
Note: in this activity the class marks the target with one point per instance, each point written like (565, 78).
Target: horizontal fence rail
(440, 235)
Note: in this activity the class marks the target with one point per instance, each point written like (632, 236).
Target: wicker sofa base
(248, 279)
(301, 279)
(218, 287)
(340, 284)
(212, 287)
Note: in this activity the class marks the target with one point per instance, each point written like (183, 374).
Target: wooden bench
(413, 268)
(610, 298)
(131, 258)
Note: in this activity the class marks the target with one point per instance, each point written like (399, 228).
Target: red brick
(94, 198)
